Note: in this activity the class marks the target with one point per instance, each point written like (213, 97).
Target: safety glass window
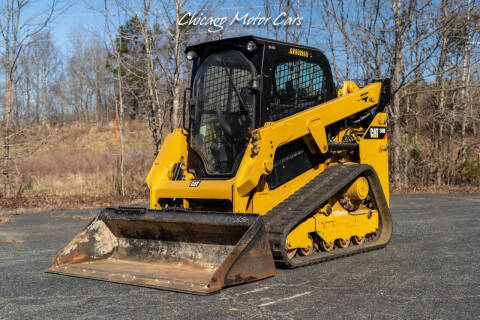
(223, 110)
(297, 86)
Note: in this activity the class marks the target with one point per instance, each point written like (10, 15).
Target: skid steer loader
(272, 167)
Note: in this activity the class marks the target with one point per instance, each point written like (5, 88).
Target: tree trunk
(44, 101)
(176, 73)
(465, 83)
(28, 112)
(154, 118)
(97, 94)
(6, 143)
(441, 80)
(119, 113)
(37, 96)
(395, 105)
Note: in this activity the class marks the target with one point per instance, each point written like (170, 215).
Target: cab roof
(229, 42)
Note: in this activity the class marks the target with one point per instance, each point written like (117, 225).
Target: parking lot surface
(430, 270)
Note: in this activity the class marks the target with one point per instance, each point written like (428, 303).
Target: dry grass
(78, 167)
(437, 189)
(92, 173)
(81, 161)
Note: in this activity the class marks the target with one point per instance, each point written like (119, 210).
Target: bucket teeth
(187, 251)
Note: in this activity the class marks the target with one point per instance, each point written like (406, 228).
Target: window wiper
(244, 106)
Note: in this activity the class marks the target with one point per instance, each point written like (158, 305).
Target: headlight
(191, 55)
(251, 46)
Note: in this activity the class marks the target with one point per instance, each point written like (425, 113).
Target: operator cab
(237, 85)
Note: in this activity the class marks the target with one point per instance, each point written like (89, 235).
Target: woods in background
(136, 69)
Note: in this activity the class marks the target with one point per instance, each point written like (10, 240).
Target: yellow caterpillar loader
(272, 167)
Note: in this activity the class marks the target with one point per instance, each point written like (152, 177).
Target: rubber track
(288, 214)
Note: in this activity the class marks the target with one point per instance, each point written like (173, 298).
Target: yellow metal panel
(348, 87)
(317, 130)
(298, 238)
(174, 147)
(340, 224)
(159, 178)
(206, 189)
(248, 174)
(375, 153)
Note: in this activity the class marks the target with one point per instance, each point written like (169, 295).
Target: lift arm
(261, 149)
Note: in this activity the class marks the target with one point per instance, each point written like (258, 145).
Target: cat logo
(194, 183)
(376, 133)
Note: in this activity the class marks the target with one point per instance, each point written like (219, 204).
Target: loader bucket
(185, 251)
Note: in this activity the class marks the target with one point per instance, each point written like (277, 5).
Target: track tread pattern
(285, 216)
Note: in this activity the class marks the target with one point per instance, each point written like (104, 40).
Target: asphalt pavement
(430, 270)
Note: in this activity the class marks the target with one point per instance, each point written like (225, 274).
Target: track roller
(358, 240)
(341, 243)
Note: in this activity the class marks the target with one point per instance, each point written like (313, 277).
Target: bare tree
(149, 38)
(173, 68)
(16, 31)
(428, 48)
(120, 108)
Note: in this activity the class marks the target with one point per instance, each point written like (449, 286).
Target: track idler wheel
(343, 243)
(307, 251)
(291, 253)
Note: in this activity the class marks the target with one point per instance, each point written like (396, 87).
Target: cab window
(297, 85)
